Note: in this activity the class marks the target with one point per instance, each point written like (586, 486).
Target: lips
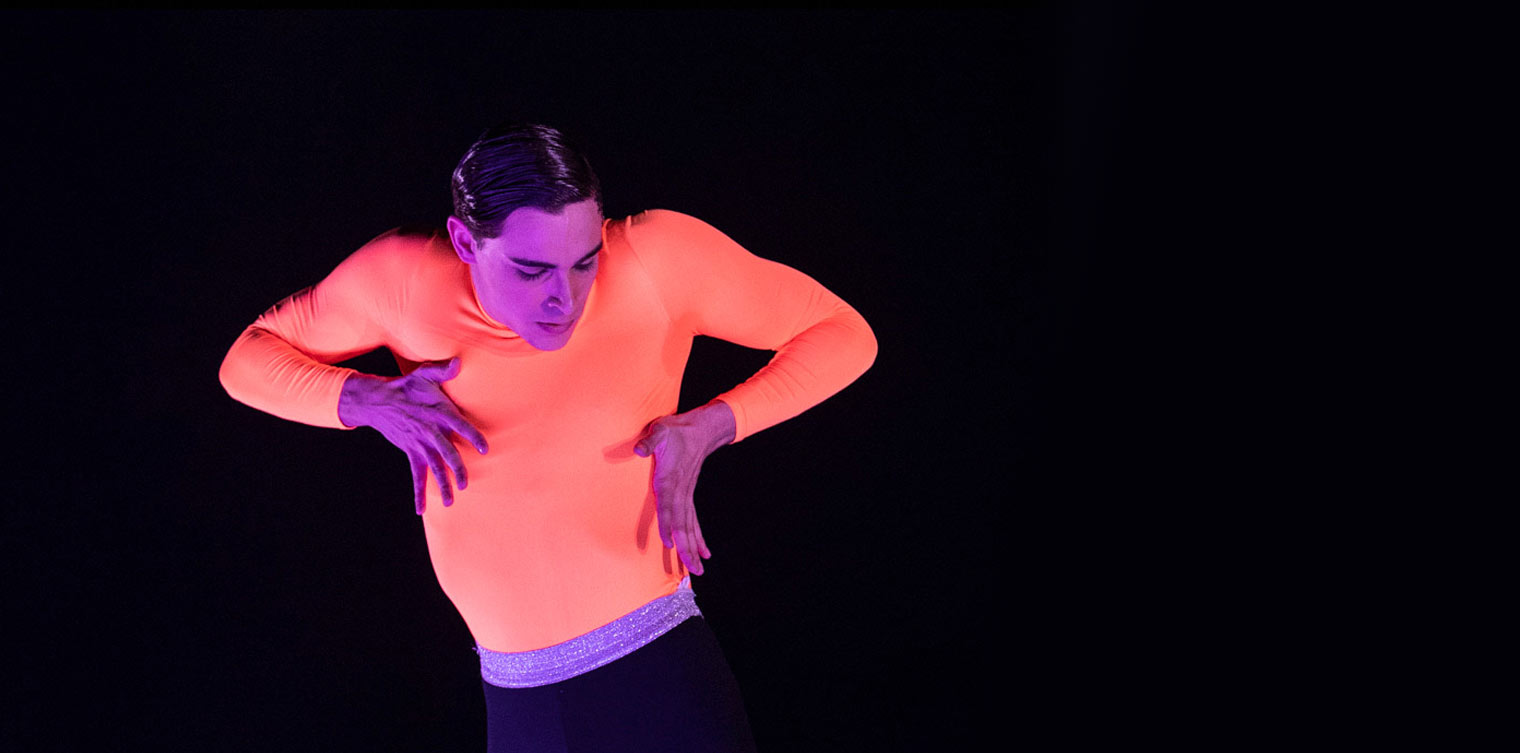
(556, 327)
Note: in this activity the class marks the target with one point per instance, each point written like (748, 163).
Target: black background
(898, 568)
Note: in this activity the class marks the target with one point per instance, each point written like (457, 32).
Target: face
(535, 276)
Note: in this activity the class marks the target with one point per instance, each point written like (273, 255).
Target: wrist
(717, 421)
(352, 399)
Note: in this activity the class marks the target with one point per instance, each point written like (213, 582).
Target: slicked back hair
(518, 165)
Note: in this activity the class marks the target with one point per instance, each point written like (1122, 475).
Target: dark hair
(519, 165)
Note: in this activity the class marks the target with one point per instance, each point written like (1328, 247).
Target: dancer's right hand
(413, 413)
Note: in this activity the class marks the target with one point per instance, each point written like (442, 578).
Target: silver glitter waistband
(579, 655)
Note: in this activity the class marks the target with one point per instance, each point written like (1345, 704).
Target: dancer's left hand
(679, 444)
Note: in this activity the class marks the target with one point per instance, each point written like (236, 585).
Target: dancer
(542, 348)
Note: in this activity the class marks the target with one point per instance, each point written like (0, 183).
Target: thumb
(654, 434)
(441, 372)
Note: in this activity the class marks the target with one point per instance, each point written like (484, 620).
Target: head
(528, 220)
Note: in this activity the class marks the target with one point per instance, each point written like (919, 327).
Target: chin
(542, 339)
(551, 343)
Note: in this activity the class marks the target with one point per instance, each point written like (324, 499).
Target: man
(542, 348)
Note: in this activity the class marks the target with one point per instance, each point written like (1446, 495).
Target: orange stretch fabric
(556, 534)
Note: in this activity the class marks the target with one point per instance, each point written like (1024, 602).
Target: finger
(701, 541)
(439, 372)
(693, 535)
(693, 526)
(419, 481)
(683, 548)
(664, 516)
(689, 553)
(667, 529)
(654, 436)
(465, 429)
(446, 450)
(681, 523)
(445, 490)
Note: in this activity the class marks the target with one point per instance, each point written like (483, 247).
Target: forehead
(556, 237)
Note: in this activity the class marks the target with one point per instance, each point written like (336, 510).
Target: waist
(583, 653)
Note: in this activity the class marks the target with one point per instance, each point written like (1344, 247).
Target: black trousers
(674, 694)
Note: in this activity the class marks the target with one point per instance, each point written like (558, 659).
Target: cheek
(513, 297)
(582, 285)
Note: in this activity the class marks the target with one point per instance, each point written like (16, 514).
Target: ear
(464, 240)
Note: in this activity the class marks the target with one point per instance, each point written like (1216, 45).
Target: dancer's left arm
(712, 286)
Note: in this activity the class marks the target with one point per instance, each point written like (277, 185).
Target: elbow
(867, 337)
(865, 342)
(234, 365)
(227, 375)
(871, 349)
(868, 346)
(851, 342)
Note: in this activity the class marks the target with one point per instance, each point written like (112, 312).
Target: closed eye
(587, 262)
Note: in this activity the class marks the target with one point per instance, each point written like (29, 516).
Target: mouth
(556, 328)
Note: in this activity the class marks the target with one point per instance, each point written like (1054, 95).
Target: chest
(623, 361)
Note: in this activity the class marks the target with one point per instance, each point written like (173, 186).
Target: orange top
(556, 533)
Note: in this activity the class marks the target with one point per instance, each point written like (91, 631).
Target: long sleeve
(281, 364)
(712, 286)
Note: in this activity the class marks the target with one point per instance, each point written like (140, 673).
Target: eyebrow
(547, 265)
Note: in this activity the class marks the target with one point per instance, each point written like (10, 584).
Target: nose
(559, 300)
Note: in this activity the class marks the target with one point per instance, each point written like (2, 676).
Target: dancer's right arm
(282, 364)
